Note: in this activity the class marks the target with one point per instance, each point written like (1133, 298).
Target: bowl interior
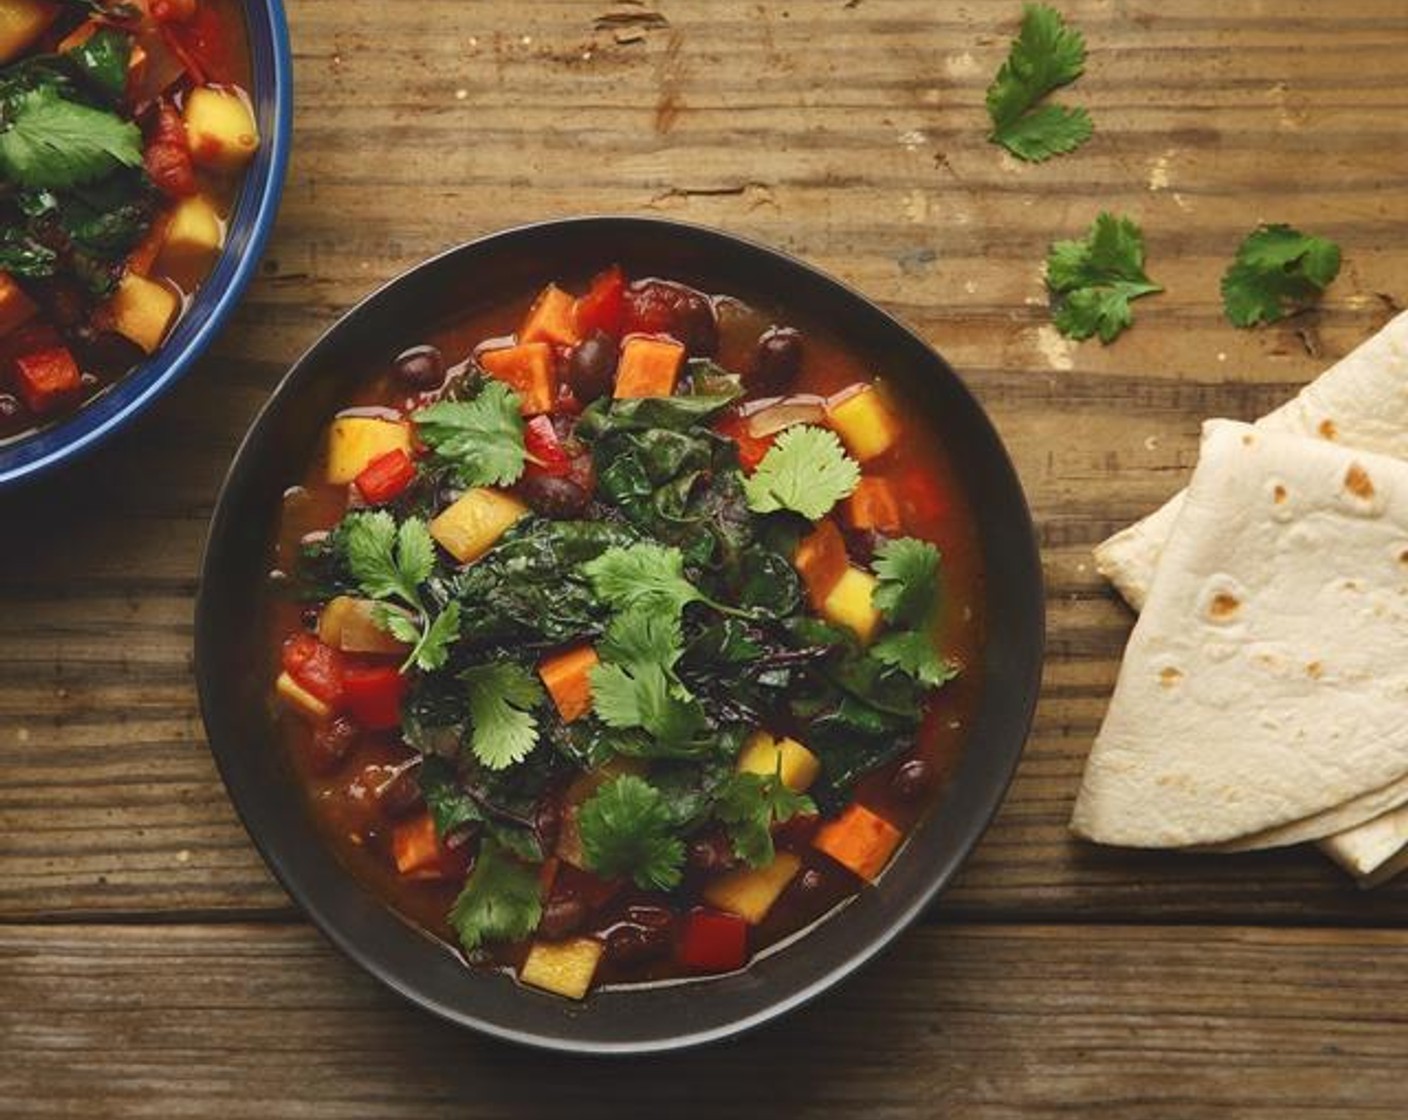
(271, 91)
(236, 708)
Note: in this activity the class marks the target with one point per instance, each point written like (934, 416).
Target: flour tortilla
(1341, 817)
(1361, 401)
(1374, 852)
(1266, 681)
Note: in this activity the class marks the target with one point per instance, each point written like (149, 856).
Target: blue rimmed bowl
(271, 90)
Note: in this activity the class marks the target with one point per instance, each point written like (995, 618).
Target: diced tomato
(372, 695)
(544, 448)
(47, 379)
(317, 667)
(714, 941)
(199, 42)
(385, 476)
(167, 157)
(751, 448)
(172, 11)
(603, 308)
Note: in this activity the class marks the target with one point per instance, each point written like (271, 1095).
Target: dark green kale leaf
(102, 59)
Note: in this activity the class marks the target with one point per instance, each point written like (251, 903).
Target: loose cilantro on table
(502, 696)
(500, 901)
(748, 806)
(627, 828)
(52, 143)
(1045, 56)
(479, 440)
(907, 594)
(1278, 270)
(1093, 280)
(806, 470)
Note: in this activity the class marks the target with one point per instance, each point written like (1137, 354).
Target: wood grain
(1035, 1021)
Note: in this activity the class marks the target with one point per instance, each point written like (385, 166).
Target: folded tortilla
(1361, 401)
(1333, 824)
(1375, 852)
(1266, 680)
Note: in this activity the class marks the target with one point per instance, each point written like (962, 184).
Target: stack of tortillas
(1263, 698)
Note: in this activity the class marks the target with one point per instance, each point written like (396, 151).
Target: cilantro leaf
(53, 143)
(806, 470)
(627, 829)
(481, 440)
(913, 652)
(1093, 280)
(432, 645)
(907, 573)
(387, 561)
(501, 698)
(642, 636)
(645, 696)
(500, 901)
(1045, 55)
(1277, 270)
(450, 807)
(645, 574)
(748, 805)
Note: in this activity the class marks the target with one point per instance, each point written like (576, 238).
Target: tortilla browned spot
(1223, 606)
(1327, 429)
(1314, 670)
(1358, 483)
(1278, 495)
(1169, 676)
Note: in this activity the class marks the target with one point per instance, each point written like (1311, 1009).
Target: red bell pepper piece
(47, 378)
(603, 308)
(167, 157)
(714, 941)
(544, 448)
(385, 476)
(751, 448)
(372, 695)
(317, 667)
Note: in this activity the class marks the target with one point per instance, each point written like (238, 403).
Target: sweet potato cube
(750, 892)
(220, 129)
(300, 700)
(564, 968)
(551, 319)
(849, 604)
(354, 441)
(347, 624)
(567, 677)
(193, 237)
(873, 505)
(762, 754)
(21, 23)
(648, 368)
(141, 310)
(863, 420)
(528, 370)
(474, 522)
(416, 848)
(859, 840)
(16, 308)
(821, 560)
(47, 379)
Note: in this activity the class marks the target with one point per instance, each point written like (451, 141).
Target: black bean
(777, 361)
(912, 779)
(420, 367)
(591, 366)
(400, 794)
(631, 943)
(710, 852)
(331, 743)
(559, 498)
(562, 916)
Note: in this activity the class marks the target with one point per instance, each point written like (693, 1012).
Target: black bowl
(234, 681)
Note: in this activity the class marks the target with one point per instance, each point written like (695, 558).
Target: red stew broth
(935, 508)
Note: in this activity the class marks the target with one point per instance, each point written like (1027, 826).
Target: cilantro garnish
(643, 574)
(627, 829)
(389, 563)
(52, 143)
(502, 696)
(500, 901)
(1092, 280)
(1278, 270)
(806, 470)
(749, 805)
(646, 696)
(907, 594)
(1045, 55)
(480, 440)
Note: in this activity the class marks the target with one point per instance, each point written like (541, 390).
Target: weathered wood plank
(987, 1022)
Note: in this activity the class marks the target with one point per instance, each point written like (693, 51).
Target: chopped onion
(770, 417)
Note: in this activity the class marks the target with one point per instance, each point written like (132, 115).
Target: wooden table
(149, 965)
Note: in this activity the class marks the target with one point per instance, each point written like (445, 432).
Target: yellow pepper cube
(864, 422)
(301, 700)
(469, 527)
(193, 237)
(142, 310)
(348, 624)
(762, 754)
(565, 968)
(16, 308)
(750, 892)
(354, 441)
(220, 129)
(22, 22)
(849, 604)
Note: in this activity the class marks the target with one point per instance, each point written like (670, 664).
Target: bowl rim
(48, 448)
(859, 954)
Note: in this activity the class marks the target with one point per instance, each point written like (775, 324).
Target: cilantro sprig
(907, 594)
(748, 806)
(1278, 270)
(500, 902)
(806, 470)
(1045, 55)
(479, 440)
(502, 696)
(1093, 280)
(627, 828)
(52, 143)
(389, 563)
